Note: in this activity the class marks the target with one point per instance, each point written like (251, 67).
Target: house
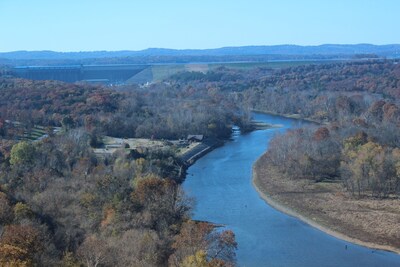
(195, 138)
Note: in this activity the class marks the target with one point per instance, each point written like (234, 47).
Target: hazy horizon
(74, 26)
(179, 49)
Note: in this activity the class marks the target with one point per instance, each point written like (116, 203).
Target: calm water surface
(221, 184)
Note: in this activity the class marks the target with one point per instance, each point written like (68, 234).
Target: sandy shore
(284, 205)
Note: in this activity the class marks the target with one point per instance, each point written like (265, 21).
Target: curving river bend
(221, 183)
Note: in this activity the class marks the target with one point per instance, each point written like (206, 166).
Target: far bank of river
(221, 183)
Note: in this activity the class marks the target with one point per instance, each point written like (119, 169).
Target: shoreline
(215, 143)
(278, 205)
(289, 116)
(208, 147)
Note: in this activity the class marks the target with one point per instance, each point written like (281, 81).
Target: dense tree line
(327, 92)
(365, 164)
(160, 111)
(322, 92)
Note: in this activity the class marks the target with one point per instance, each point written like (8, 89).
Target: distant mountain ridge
(391, 50)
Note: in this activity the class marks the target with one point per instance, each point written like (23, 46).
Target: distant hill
(392, 50)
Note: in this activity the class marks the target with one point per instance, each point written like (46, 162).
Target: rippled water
(221, 184)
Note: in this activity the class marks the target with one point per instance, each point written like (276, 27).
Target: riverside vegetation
(343, 174)
(62, 205)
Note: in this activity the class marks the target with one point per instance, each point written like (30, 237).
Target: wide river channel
(221, 184)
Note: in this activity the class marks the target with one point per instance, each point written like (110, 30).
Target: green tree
(22, 153)
(22, 211)
(67, 123)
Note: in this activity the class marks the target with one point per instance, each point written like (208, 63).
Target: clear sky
(86, 25)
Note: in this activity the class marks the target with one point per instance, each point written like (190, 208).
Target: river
(222, 186)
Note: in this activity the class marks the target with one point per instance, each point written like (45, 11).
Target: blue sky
(86, 25)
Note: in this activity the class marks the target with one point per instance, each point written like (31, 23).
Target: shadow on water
(221, 184)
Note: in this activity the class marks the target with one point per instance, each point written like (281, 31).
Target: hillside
(224, 54)
(392, 50)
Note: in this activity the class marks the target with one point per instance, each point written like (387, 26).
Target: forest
(61, 205)
(358, 103)
(162, 110)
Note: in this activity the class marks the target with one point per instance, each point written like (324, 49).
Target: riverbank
(289, 116)
(201, 149)
(367, 222)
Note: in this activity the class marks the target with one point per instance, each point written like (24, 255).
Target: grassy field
(36, 133)
(161, 72)
(112, 144)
